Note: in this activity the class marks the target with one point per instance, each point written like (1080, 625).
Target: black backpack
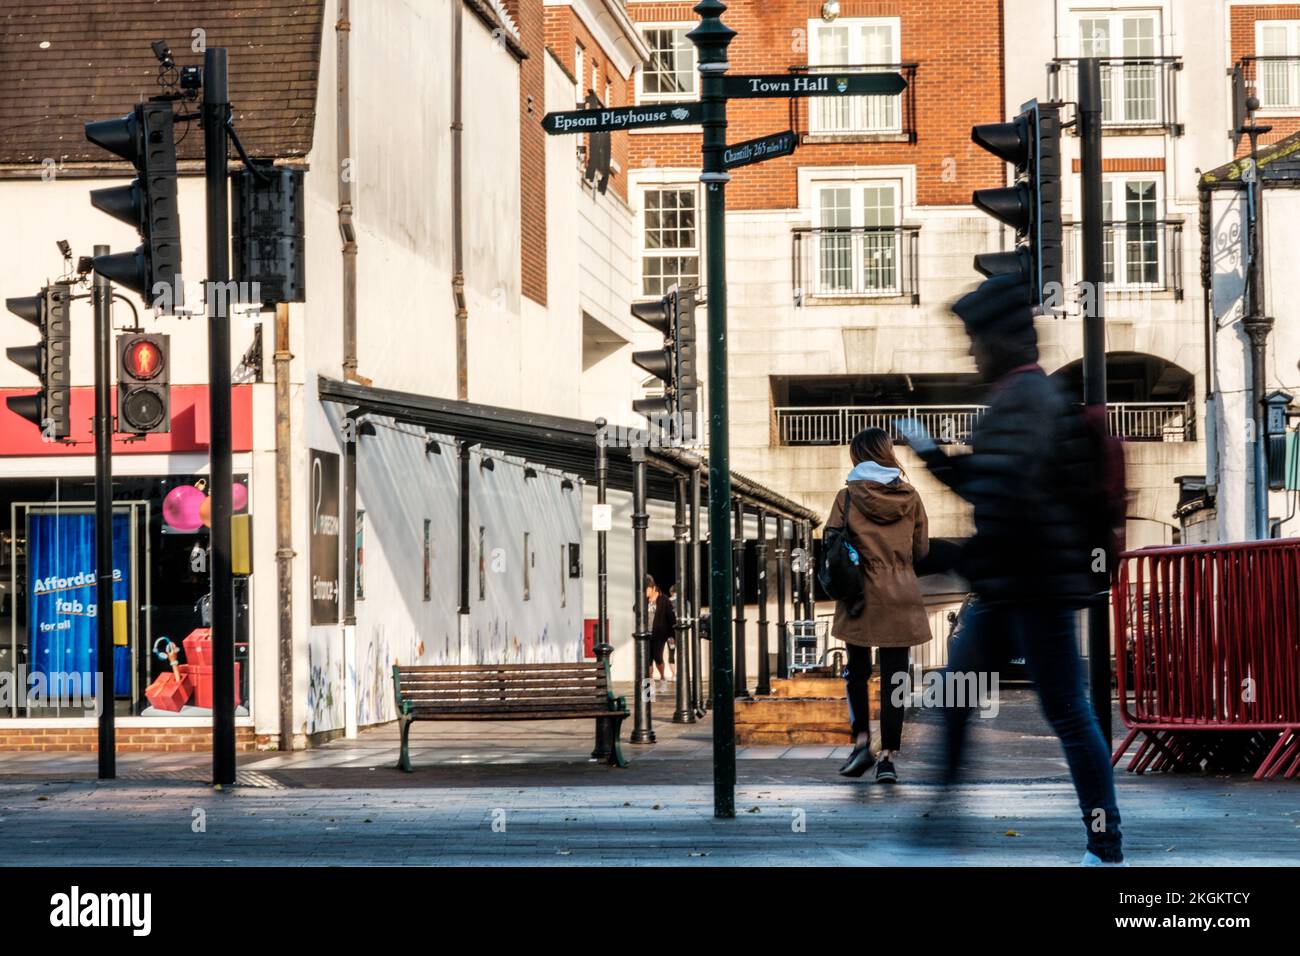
(839, 569)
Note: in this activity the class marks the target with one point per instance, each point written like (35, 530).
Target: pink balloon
(181, 508)
(238, 496)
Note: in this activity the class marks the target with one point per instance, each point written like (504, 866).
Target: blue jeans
(1045, 636)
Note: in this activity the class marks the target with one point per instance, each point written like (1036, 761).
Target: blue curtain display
(61, 599)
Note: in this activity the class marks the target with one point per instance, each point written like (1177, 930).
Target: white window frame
(854, 115)
(853, 250)
(1116, 250)
(1287, 70)
(1117, 78)
(684, 95)
(691, 185)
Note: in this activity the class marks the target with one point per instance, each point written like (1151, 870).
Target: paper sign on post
(602, 517)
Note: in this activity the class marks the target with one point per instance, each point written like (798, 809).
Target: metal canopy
(565, 444)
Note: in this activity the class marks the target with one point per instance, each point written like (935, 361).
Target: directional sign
(624, 117)
(785, 85)
(757, 150)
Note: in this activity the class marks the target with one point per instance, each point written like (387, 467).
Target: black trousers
(893, 671)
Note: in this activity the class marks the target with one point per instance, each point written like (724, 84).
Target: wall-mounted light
(433, 447)
(566, 485)
(366, 427)
(486, 464)
(830, 10)
(530, 473)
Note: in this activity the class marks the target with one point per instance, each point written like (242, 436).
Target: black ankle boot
(859, 762)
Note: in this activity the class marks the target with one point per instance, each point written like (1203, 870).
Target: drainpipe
(457, 210)
(342, 32)
(283, 522)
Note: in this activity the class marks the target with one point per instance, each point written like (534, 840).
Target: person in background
(887, 526)
(662, 622)
(1029, 479)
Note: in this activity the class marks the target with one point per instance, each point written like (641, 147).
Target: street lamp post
(602, 647)
(642, 732)
(1256, 322)
(782, 651)
(711, 39)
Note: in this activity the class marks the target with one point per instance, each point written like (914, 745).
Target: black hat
(1001, 308)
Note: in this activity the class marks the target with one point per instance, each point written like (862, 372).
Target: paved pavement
(525, 793)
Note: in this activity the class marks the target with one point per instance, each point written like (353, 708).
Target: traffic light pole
(102, 297)
(1094, 346)
(711, 38)
(216, 114)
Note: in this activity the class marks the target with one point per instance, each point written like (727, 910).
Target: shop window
(161, 663)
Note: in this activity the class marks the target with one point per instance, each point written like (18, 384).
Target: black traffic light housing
(268, 247)
(674, 364)
(144, 138)
(1032, 204)
(659, 362)
(49, 409)
(143, 384)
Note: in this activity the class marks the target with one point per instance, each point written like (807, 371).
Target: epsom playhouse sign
(624, 117)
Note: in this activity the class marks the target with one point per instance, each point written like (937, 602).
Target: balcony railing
(953, 424)
(1274, 79)
(855, 263)
(1141, 255)
(1137, 92)
(892, 116)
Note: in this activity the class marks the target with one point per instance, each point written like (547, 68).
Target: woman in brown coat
(888, 528)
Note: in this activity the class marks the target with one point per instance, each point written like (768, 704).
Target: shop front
(53, 686)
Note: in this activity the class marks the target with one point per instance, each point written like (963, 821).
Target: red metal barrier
(1208, 647)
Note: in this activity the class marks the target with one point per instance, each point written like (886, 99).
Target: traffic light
(1032, 205)
(688, 380)
(144, 137)
(673, 363)
(143, 384)
(48, 409)
(658, 362)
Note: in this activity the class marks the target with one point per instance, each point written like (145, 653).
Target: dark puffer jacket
(1027, 477)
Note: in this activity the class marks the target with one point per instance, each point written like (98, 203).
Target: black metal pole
(216, 114)
(602, 646)
(102, 297)
(738, 586)
(1094, 346)
(684, 714)
(806, 600)
(711, 38)
(1257, 324)
(642, 729)
(698, 700)
(782, 640)
(764, 687)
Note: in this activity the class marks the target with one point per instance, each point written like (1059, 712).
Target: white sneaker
(1092, 859)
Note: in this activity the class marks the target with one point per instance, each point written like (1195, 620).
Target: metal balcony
(1141, 255)
(953, 424)
(853, 264)
(857, 117)
(1275, 80)
(1138, 92)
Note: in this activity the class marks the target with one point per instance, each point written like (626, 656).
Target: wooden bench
(508, 692)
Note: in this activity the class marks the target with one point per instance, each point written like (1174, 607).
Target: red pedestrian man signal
(143, 359)
(143, 384)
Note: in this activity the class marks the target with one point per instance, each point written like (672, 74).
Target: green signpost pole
(711, 38)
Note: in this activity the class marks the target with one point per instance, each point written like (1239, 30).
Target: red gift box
(198, 646)
(200, 676)
(167, 693)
